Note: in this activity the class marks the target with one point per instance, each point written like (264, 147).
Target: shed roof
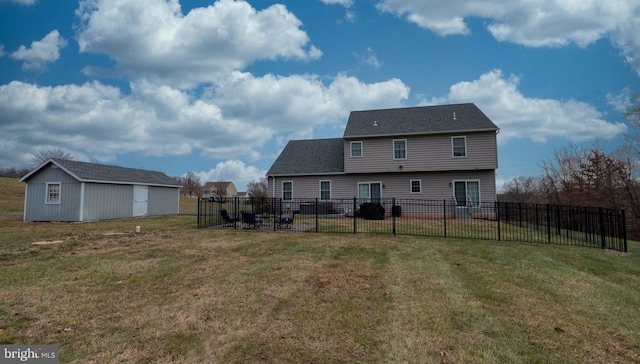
(313, 156)
(418, 120)
(102, 173)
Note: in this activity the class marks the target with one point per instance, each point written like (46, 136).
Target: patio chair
(284, 221)
(228, 221)
(249, 220)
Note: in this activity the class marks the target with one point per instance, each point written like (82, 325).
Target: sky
(219, 87)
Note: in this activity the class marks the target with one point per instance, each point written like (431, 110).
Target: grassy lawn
(176, 293)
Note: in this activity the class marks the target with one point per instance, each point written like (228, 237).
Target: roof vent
(454, 116)
(375, 123)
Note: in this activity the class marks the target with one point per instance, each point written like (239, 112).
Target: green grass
(174, 293)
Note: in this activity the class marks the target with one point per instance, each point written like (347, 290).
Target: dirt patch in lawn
(48, 242)
(344, 280)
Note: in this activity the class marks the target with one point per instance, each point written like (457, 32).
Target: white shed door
(140, 199)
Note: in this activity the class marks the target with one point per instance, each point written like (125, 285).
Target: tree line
(587, 176)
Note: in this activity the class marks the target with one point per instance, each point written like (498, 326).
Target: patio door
(370, 192)
(466, 193)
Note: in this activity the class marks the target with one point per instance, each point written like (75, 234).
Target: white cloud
(369, 58)
(21, 2)
(531, 118)
(41, 52)
(232, 120)
(232, 170)
(153, 39)
(549, 23)
(345, 3)
(298, 103)
(620, 102)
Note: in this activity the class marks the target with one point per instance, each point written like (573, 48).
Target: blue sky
(220, 87)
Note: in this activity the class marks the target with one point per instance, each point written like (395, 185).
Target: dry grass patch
(173, 293)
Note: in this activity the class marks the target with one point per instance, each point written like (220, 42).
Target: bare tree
(258, 188)
(191, 185)
(13, 172)
(525, 189)
(43, 155)
(633, 114)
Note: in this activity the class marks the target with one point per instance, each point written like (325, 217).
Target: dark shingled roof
(92, 172)
(417, 120)
(313, 156)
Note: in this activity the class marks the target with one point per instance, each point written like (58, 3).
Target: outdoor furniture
(249, 220)
(284, 221)
(228, 221)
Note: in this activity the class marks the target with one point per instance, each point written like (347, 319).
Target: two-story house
(219, 189)
(446, 152)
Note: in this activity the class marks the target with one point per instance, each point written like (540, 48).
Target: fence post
(355, 228)
(548, 223)
(198, 212)
(497, 206)
(444, 216)
(603, 240)
(624, 230)
(393, 215)
(316, 214)
(272, 211)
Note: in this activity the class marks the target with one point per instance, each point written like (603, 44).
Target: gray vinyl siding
(35, 207)
(424, 153)
(435, 185)
(107, 201)
(163, 201)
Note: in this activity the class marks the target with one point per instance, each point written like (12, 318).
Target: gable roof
(313, 156)
(417, 120)
(92, 172)
(220, 185)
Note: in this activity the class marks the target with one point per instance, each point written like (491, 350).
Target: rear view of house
(446, 152)
(65, 190)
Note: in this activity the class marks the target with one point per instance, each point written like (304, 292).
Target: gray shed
(65, 190)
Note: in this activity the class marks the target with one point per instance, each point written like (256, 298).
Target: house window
(370, 192)
(416, 186)
(325, 190)
(400, 149)
(459, 145)
(53, 193)
(287, 190)
(466, 193)
(356, 149)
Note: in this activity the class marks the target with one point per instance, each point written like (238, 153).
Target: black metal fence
(535, 223)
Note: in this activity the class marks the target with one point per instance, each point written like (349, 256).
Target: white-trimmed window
(53, 192)
(356, 149)
(459, 146)
(287, 190)
(416, 186)
(400, 149)
(325, 190)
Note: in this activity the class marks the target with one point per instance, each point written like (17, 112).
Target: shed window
(53, 193)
